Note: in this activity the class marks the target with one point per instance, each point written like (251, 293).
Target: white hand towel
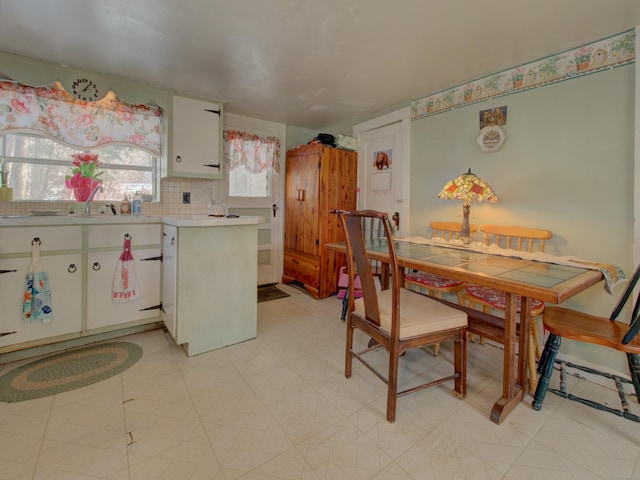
(37, 297)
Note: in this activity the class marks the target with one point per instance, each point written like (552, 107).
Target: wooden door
(301, 200)
(337, 191)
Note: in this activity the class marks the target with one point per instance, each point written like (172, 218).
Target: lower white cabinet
(209, 285)
(102, 311)
(81, 262)
(170, 277)
(106, 244)
(65, 280)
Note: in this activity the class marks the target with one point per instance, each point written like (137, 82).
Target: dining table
(503, 270)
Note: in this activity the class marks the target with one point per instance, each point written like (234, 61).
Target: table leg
(513, 372)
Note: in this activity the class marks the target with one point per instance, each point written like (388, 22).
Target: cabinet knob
(72, 268)
(96, 266)
(178, 159)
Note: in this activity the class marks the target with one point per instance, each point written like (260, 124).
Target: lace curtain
(252, 151)
(51, 111)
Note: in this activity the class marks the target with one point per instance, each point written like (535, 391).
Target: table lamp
(467, 187)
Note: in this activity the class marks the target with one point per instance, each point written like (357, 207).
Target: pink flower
(85, 166)
(84, 120)
(137, 139)
(124, 114)
(19, 106)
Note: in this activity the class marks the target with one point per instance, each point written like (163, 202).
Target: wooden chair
(372, 228)
(436, 285)
(396, 319)
(562, 322)
(522, 239)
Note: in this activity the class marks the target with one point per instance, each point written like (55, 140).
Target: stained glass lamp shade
(469, 188)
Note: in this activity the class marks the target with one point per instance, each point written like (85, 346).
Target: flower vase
(82, 193)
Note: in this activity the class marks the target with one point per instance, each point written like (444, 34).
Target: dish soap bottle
(136, 205)
(125, 206)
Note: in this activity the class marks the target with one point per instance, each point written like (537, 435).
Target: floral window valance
(54, 113)
(252, 151)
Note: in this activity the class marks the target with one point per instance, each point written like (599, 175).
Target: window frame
(153, 169)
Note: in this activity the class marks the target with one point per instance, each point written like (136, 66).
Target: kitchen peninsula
(210, 276)
(198, 275)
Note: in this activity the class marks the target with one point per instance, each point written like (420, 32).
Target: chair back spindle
(449, 230)
(634, 324)
(514, 237)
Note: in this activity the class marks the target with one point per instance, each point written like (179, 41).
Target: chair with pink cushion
(521, 239)
(436, 285)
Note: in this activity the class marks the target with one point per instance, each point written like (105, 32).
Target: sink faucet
(87, 205)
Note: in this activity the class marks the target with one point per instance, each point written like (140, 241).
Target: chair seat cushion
(432, 280)
(497, 298)
(419, 315)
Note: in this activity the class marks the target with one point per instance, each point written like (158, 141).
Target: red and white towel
(125, 281)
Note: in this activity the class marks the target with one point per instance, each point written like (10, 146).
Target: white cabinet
(81, 262)
(105, 244)
(209, 285)
(169, 277)
(60, 249)
(196, 131)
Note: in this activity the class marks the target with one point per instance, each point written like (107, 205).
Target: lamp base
(465, 233)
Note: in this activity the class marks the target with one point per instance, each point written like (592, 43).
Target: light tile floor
(279, 407)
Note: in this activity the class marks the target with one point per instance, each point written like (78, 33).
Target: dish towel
(37, 297)
(125, 282)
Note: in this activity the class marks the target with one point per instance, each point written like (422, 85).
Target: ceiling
(307, 63)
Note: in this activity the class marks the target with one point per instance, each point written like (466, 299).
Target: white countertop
(186, 221)
(205, 221)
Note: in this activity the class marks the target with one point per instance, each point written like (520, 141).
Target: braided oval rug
(67, 371)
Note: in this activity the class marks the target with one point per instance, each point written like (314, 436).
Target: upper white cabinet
(196, 131)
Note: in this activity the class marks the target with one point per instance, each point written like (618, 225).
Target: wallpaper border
(601, 55)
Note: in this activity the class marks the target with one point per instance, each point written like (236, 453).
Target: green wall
(299, 136)
(566, 166)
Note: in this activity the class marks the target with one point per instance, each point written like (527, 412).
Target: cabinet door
(195, 139)
(301, 203)
(170, 277)
(65, 282)
(102, 311)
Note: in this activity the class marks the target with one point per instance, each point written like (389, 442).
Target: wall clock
(85, 89)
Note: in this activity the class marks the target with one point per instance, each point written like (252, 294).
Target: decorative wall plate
(491, 139)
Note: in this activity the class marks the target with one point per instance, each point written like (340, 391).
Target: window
(41, 127)
(37, 167)
(252, 160)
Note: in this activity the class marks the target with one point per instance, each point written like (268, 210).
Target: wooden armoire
(318, 179)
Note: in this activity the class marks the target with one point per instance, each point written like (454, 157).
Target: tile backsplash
(202, 191)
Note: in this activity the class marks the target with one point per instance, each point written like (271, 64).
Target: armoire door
(302, 191)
